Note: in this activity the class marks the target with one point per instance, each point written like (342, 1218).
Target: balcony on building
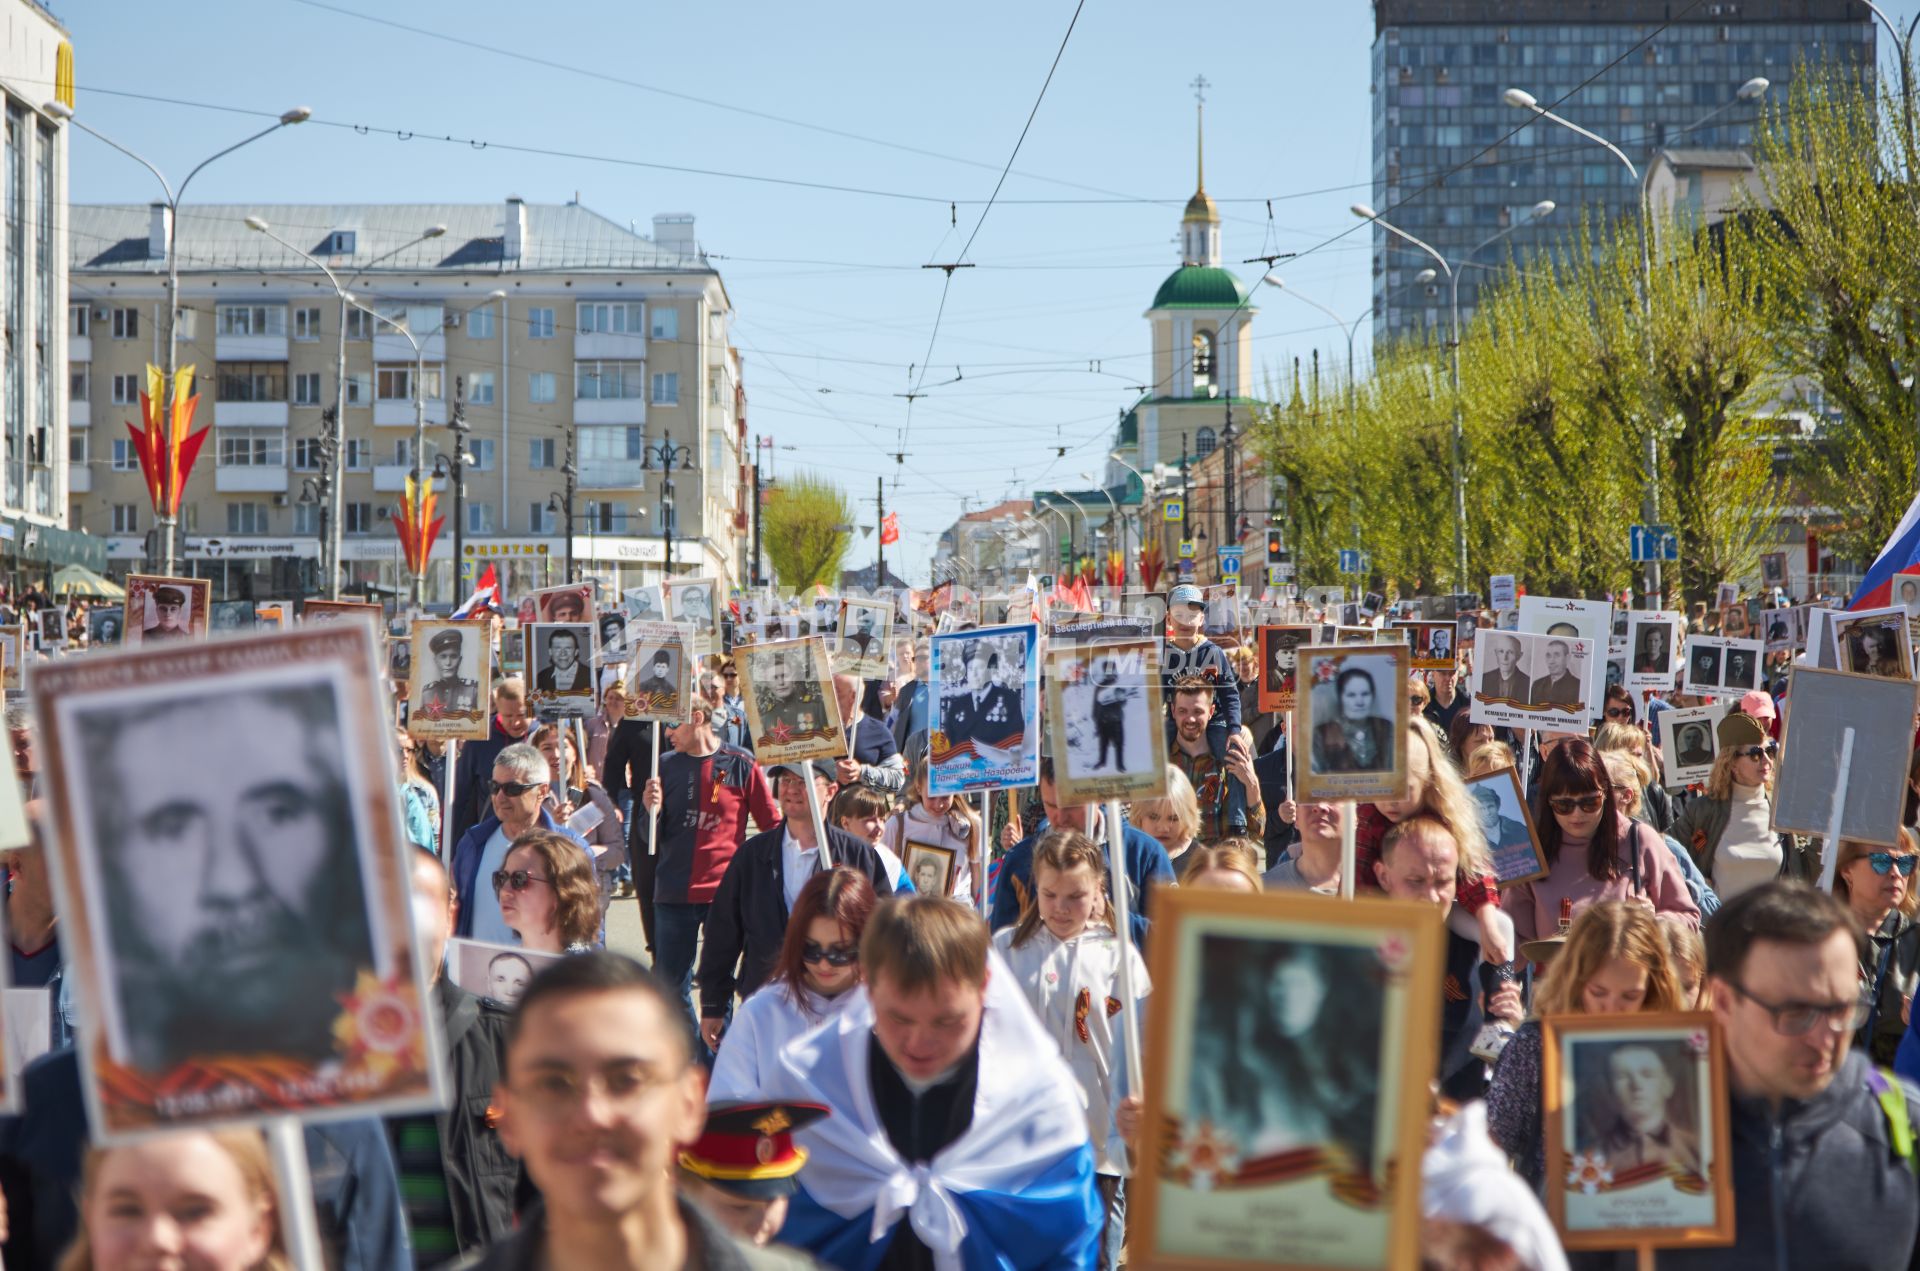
(248, 478)
(251, 333)
(251, 394)
(391, 478)
(80, 413)
(79, 348)
(612, 474)
(426, 322)
(400, 414)
(79, 478)
(614, 410)
(610, 329)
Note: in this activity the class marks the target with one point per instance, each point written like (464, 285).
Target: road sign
(1353, 561)
(1173, 511)
(1279, 574)
(1230, 562)
(1186, 549)
(1652, 543)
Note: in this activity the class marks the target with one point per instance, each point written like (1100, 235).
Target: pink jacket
(1535, 906)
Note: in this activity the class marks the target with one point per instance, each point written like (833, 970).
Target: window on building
(479, 518)
(306, 518)
(541, 386)
(395, 383)
(77, 319)
(77, 449)
(357, 518)
(1203, 443)
(307, 453)
(666, 388)
(251, 448)
(125, 457)
(540, 324)
(126, 390)
(79, 381)
(716, 450)
(599, 443)
(306, 388)
(540, 518)
(253, 320)
(608, 381)
(403, 452)
(359, 454)
(126, 324)
(610, 318)
(360, 324)
(247, 518)
(252, 382)
(306, 324)
(666, 322)
(606, 518)
(359, 388)
(126, 518)
(480, 388)
(714, 381)
(1202, 359)
(480, 323)
(482, 450)
(540, 452)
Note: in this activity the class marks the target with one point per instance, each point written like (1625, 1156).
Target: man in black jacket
(748, 917)
(625, 774)
(471, 798)
(456, 1178)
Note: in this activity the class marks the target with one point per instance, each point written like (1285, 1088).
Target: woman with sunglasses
(1593, 850)
(1728, 829)
(813, 979)
(1876, 883)
(547, 893)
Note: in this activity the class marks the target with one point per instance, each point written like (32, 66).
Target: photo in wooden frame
(1353, 712)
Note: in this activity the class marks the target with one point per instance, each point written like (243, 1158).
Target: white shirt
(797, 865)
(749, 1054)
(488, 925)
(916, 825)
(1749, 850)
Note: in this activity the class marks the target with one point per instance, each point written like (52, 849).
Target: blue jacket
(465, 869)
(1146, 865)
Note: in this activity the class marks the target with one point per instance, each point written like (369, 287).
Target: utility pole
(456, 470)
(563, 503)
(759, 579)
(1186, 507)
(1232, 536)
(880, 533)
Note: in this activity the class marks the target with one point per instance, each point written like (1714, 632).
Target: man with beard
(232, 885)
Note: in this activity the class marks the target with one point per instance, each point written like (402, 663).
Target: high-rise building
(1640, 73)
(603, 385)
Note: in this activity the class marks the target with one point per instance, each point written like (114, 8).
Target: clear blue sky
(826, 343)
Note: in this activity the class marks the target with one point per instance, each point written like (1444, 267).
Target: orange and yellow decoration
(167, 451)
(416, 525)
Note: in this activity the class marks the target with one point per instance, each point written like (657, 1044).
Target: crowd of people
(830, 1057)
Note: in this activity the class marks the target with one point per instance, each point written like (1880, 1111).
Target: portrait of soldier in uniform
(449, 690)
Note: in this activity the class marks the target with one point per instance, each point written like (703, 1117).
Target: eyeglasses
(1566, 804)
(1416, 701)
(1620, 712)
(513, 789)
(1767, 751)
(517, 879)
(1796, 1019)
(1887, 862)
(835, 955)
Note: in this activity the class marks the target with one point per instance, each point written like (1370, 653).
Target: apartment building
(590, 362)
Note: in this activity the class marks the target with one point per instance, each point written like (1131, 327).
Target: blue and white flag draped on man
(1900, 555)
(1013, 1193)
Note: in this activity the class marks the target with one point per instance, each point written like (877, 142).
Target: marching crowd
(833, 1059)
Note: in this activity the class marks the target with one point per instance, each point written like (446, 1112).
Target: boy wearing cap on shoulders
(741, 1170)
(1189, 654)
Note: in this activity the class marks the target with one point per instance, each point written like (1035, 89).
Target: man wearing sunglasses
(1823, 1156)
(518, 791)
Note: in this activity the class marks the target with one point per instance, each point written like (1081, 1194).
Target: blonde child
(941, 820)
(1066, 959)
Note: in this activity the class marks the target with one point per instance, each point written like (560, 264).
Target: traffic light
(1276, 547)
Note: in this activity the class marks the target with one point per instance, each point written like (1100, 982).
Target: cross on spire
(1199, 87)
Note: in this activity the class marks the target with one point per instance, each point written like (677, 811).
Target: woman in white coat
(814, 978)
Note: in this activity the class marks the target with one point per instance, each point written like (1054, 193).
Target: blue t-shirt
(487, 923)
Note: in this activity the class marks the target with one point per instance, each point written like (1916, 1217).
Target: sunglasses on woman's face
(836, 955)
(1567, 804)
(1620, 712)
(1887, 862)
(513, 789)
(517, 880)
(1767, 751)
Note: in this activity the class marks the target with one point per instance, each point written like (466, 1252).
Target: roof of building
(1388, 13)
(112, 238)
(1200, 287)
(1200, 207)
(1000, 511)
(1708, 157)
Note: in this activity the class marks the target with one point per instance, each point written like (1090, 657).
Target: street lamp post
(1650, 503)
(333, 448)
(1906, 78)
(1086, 526)
(1542, 209)
(562, 503)
(166, 522)
(668, 456)
(455, 470)
(1113, 519)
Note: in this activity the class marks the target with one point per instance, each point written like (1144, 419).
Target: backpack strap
(1893, 1105)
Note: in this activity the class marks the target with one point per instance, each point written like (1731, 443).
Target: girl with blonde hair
(203, 1199)
(1614, 961)
(1229, 865)
(943, 820)
(1174, 819)
(1656, 807)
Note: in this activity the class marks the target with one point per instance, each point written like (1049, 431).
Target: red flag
(889, 529)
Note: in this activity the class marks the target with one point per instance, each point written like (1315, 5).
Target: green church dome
(1200, 287)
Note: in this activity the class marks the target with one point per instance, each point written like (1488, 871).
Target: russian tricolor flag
(1901, 555)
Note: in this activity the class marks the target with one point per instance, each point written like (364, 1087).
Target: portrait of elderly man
(234, 899)
(1559, 686)
(1501, 679)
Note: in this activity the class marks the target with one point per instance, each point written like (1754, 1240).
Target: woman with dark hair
(813, 979)
(1618, 708)
(1356, 740)
(548, 895)
(1592, 849)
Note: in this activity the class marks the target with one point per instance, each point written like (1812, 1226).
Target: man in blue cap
(1190, 654)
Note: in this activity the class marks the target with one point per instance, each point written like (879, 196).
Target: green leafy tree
(806, 530)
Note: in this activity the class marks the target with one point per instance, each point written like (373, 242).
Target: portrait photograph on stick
(1717, 666)
(1873, 642)
(1353, 712)
(499, 973)
(1105, 727)
(861, 647)
(1279, 649)
(13, 648)
(53, 627)
(693, 601)
(104, 627)
(562, 658)
(1507, 824)
(1689, 743)
(660, 675)
(1652, 640)
(1589, 620)
(985, 712)
(1637, 1144)
(792, 712)
(236, 912)
(612, 624)
(930, 868)
(1286, 1099)
(334, 610)
(449, 694)
(160, 609)
(1524, 680)
(1431, 644)
(572, 602)
(1824, 705)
